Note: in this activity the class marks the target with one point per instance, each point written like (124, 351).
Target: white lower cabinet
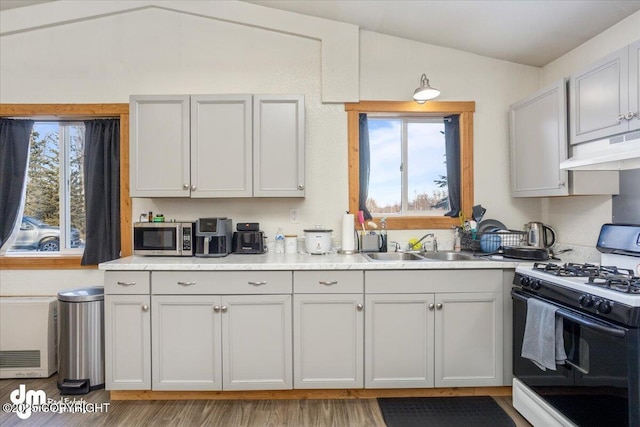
(127, 331)
(328, 331)
(256, 342)
(187, 341)
(468, 339)
(419, 335)
(399, 341)
(207, 338)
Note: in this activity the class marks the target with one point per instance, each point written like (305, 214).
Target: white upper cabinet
(604, 98)
(538, 142)
(207, 146)
(634, 85)
(159, 146)
(278, 146)
(221, 158)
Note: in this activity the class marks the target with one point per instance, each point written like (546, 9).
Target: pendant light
(425, 92)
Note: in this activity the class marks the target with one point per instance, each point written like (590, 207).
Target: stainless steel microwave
(163, 238)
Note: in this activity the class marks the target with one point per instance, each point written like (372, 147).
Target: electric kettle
(539, 235)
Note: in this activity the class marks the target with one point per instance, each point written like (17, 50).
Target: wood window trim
(464, 109)
(65, 112)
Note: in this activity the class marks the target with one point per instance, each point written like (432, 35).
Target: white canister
(290, 244)
(317, 241)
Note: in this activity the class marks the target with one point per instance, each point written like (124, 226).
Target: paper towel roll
(348, 242)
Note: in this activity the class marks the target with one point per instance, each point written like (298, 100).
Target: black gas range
(608, 292)
(597, 312)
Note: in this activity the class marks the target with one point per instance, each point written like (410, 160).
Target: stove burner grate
(610, 277)
(567, 270)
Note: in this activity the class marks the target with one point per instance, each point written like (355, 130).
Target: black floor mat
(443, 411)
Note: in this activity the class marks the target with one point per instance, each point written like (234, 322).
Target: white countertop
(272, 261)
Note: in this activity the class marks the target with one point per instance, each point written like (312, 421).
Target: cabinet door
(159, 146)
(221, 146)
(186, 342)
(278, 146)
(598, 96)
(468, 334)
(634, 85)
(399, 339)
(538, 140)
(256, 342)
(328, 338)
(127, 333)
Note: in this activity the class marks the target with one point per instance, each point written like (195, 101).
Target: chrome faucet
(396, 245)
(410, 246)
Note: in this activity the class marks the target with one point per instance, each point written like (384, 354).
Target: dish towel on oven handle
(543, 342)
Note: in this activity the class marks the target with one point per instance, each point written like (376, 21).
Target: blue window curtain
(102, 190)
(14, 160)
(452, 146)
(365, 165)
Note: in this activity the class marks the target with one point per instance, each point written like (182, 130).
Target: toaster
(249, 242)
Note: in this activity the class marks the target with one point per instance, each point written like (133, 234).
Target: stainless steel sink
(449, 256)
(393, 256)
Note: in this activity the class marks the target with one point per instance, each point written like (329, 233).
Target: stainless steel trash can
(81, 340)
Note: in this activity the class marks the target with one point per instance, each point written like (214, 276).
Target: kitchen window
(53, 220)
(408, 182)
(71, 117)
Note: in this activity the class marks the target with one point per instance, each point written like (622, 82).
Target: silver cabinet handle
(561, 184)
(328, 282)
(145, 307)
(359, 307)
(185, 186)
(431, 306)
(224, 308)
(300, 186)
(257, 283)
(439, 306)
(621, 117)
(186, 283)
(193, 187)
(126, 283)
(216, 308)
(629, 115)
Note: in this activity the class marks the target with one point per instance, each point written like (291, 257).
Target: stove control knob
(524, 281)
(603, 306)
(586, 300)
(536, 284)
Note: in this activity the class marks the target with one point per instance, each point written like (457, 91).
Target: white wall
(578, 219)
(160, 51)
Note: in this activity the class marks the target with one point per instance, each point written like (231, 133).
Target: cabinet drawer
(328, 282)
(433, 281)
(126, 282)
(221, 282)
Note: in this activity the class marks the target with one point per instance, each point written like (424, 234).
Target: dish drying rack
(470, 241)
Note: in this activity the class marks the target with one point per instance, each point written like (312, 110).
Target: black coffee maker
(248, 239)
(213, 237)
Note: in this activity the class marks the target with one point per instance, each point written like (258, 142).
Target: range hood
(620, 152)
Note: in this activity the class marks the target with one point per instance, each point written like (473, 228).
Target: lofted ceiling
(531, 32)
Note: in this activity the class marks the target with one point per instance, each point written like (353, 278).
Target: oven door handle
(581, 320)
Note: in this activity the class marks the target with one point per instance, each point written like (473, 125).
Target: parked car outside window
(35, 235)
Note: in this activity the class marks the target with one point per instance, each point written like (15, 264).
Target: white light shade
(425, 92)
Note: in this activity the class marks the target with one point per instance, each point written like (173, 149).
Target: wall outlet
(293, 216)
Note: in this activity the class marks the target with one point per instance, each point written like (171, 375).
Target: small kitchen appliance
(597, 315)
(248, 239)
(317, 240)
(173, 238)
(539, 235)
(213, 237)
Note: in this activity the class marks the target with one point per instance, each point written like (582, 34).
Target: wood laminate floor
(227, 413)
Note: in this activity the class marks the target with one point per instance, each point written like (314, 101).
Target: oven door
(592, 387)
